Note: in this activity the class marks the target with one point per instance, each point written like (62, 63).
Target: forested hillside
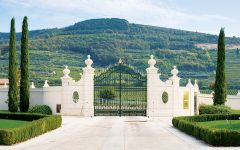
(107, 40)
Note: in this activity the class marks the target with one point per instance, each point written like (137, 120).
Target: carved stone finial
(46, 84)
(32, 86)
(151, 62)
(189, 84)
(174, 71)
(89, 61)
(196, 84)
(66, 72)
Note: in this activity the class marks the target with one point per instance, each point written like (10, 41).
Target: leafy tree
(24, 82)
(220, 82)
(13, 71)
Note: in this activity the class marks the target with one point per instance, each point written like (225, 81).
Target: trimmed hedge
(214, 109)
(213, 136)
(41, 109)
(39, 124)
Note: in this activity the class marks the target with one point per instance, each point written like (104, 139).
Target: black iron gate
(120, 90)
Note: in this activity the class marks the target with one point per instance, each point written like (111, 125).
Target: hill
(107, 40)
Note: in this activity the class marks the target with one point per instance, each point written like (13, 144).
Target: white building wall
(233, 101)
(36, 96)
(51, 97)
(155, 88)
(3, 98)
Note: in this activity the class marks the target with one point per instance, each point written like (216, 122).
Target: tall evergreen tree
(220, 81)
(13, 71)
(24, 81)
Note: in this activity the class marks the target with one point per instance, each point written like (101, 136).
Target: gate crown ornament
(66, 72)
(151, 62)
(89, 61)
(174, 71)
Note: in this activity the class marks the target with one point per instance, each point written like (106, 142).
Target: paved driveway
(114, 133)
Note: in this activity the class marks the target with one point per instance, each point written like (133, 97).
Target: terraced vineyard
(107, 40)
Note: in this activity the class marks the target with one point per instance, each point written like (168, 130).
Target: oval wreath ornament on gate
(75, 97)
(165, 97)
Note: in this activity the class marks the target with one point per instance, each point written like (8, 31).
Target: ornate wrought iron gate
(120, 90)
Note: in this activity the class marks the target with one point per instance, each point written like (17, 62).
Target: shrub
(41, 109)
(39, 124)
(214, 109)
(213, 136)
(107, 94)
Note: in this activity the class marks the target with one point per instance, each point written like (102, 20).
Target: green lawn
(7, 123)
(223, 124)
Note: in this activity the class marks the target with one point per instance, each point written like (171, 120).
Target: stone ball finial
(66, 72)
(89, 61)
(151, 62)
(174, 71)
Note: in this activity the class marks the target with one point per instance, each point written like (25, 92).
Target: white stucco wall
(3, 98)
(233, 101)
(155, 88)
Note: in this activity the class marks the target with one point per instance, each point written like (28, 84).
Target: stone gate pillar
(152, 84)
(177, 105)
(88, 88)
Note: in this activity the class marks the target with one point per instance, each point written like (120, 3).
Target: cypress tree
(220, 81)
(13, 72)
(24, 81)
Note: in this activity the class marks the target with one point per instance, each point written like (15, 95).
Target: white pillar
(196, 93)
(88, 88)
(191, 96)
(66, 80)
(177, 104)
(152, 84)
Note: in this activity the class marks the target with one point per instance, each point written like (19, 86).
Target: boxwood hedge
(39, 124)
(213, 136)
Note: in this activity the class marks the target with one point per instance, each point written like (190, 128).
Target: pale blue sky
(206, 16)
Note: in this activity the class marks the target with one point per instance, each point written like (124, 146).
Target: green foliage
(214, 109)
(108, 24)
(39, 124)
(107, 94)
(41, 109)
(213, 136)
(220, 82)
(24, 81)
(13, 71)
(106, 40)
